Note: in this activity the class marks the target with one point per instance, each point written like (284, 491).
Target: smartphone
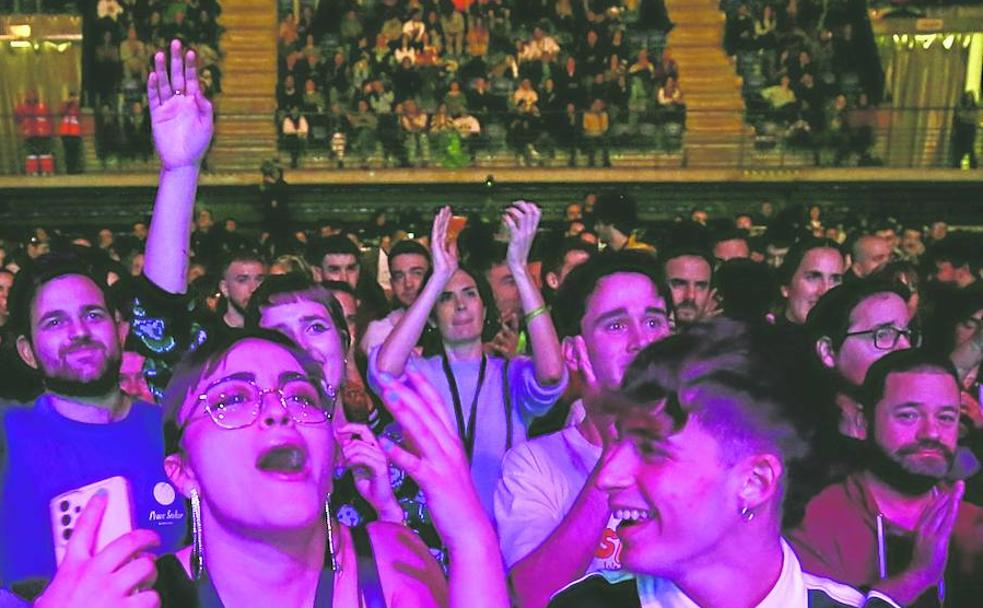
(116, 521)
(455, 226)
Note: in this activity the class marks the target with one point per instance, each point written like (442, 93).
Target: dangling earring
(747, 514)
(197, 547)
(331, 547)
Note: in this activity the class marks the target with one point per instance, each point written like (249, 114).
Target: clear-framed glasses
(886, 338)
(236, 401)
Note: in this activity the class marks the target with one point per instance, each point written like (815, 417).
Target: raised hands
(435, 459)
(362, 455)
(443, 253)
(121, 575)
(522, 220)
(433, 456)
(180, 114)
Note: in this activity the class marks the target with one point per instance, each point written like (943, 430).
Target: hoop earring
(331, 547)
(197, 547)
(747, 514)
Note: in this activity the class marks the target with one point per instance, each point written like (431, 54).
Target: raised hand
(121, 575)
(180, 114)
(433, 456)
(362, 455)
(522, 220)
(442, 252)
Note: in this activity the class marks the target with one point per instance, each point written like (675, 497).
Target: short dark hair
(679, 252)
(336, 244)
(617, 209)
(295, 287)
(798, 251)
(899, 362)
(407, 247)
(958, 251)
(203, 361)
(242, 255)
(830, 317)
(731, 234)
(556, 256)
(29, 281)
(571, 299)
(718, 372)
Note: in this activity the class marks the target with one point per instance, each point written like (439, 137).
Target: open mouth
(630, 517)
(288, 459)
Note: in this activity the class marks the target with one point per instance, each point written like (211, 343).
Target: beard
(902, 472)
(686, 311)
(65, 381)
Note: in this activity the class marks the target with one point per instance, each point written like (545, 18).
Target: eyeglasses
(886, 338)
(235, 402)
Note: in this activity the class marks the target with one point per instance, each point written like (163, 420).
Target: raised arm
(522, 219)
(181, 118)
(396, 350)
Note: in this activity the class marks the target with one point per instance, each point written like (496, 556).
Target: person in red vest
(35, 127)
(70, 131)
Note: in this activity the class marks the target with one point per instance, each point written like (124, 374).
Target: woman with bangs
(493, 399)
(249, 440)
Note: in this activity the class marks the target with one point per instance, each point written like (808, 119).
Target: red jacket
(69, 126)
(838, 539)
(33, 120)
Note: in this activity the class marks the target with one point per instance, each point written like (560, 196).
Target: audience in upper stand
(810, 74)
(124, 35)
(353, 424)
(503, 72)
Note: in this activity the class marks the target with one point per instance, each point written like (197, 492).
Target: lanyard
(467, 434)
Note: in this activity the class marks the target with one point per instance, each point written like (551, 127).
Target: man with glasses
(851, 327)
(899, 523)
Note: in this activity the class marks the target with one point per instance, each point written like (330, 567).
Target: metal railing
(652, 137)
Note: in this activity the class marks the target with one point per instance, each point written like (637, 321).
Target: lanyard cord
(467, 433)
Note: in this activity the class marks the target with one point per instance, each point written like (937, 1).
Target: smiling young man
(83, 429)
(554, 522)
(898, 525)
(697, 475)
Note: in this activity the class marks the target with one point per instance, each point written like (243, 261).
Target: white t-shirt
(378, 330)
(541, 480)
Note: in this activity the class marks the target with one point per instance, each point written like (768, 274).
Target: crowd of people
(807, 75)
(697, 417)
(412, 83)
(121, 43)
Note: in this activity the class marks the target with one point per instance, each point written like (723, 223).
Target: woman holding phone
(491, 400)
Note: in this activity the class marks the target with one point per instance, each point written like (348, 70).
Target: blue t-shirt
(44, 454)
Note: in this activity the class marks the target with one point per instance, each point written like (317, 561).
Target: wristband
(535, 312)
